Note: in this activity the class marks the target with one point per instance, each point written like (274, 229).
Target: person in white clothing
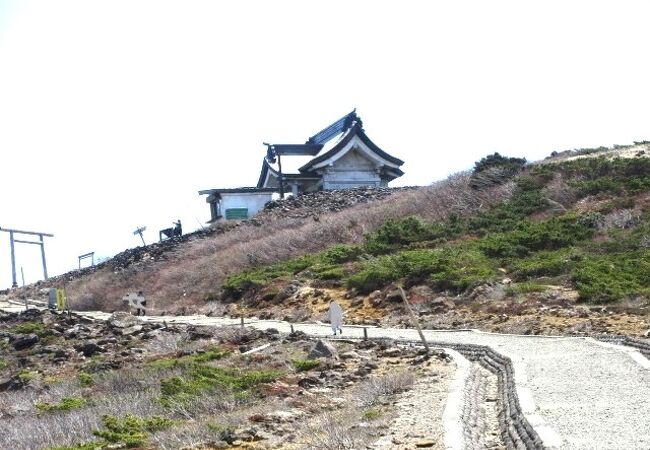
(336, 317)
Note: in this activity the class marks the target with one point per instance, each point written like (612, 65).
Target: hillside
(561, 246)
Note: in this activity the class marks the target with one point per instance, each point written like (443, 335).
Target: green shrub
(508, 214)
(303, 365)
(199, 379)
(210, 354)
(235, 285)
(66, 404)
(372, 414)
(127, 432)
(525, 288)
(86, 446)
(605, 175)
(545, 264)
(3, 363)
(29, 328)
(28, 375)
(453, 268)
(396, 233)
(610, 277)
(496, 160)
(462, 268)
(328, 272)
(131, 431)
(529, 237)
(85, 379)
(341, 253)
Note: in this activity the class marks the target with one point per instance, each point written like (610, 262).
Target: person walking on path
(336, 317)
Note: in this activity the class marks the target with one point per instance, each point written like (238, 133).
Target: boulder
(24, 341)
(90, 348)
(11, 384)
(122, 319)
(322, 349)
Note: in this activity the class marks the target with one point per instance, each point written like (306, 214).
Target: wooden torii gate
(12, 242)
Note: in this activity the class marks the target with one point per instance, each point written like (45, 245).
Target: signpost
(139, 231)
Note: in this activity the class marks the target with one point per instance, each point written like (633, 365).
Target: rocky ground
(491, 307)
(318, 203)
(72, 382)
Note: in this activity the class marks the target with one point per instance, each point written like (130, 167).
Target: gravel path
(577, 393)
(419, 414)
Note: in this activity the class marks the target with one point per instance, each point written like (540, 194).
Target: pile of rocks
(322, 202)
(134, 256)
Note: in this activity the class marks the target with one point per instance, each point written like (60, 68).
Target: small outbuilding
(237, 203)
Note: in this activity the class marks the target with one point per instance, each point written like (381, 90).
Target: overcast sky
(114, 114)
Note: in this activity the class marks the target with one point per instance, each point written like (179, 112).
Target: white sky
(113, 114)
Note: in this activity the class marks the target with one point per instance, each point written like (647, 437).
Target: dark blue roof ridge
(355, 130)
(336, 128)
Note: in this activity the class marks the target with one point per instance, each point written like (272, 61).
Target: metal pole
(14, 283)
(43, 256)
(22, 274)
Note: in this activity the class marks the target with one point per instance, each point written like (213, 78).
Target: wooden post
(280, 177)
(14, 282)
(365, 334)
(242, 321)
(291, 326)
(43, 256)
(415, 320)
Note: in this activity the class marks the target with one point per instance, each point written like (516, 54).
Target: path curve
(577, 393)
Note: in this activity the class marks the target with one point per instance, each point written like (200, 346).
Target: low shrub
(303, 365)
(129, 431)
(545, 264)
(450, 268)
(235, 285)
(397, 233)
(610, 277)
(528, 237)
(210, 354)
(66, 404)
(372, 414)
(85, 379)
(497, 160)
(525, 288)
(462, 267)
(608, 175)
(199, 379)
(29, 328)
(342, 253)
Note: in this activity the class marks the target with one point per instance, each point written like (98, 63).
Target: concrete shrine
(341, 156)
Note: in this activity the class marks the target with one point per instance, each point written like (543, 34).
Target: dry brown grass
(194, 272)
